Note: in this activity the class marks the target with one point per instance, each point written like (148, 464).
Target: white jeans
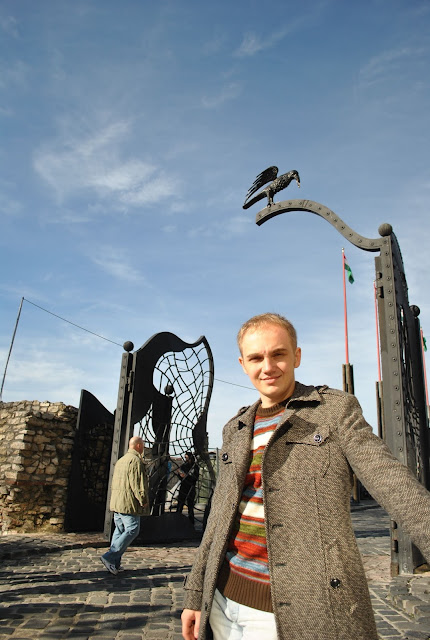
(232, 621)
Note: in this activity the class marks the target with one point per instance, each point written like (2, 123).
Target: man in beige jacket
(129, 499)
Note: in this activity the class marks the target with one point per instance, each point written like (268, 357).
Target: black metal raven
(276, 185)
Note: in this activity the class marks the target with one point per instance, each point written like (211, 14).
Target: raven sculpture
(276, 185)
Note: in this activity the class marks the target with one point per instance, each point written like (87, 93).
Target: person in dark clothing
(189, 474)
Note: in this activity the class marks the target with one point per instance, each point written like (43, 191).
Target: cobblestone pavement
(393, 600)
(55, 587)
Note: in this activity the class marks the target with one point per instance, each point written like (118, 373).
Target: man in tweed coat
(278, 559)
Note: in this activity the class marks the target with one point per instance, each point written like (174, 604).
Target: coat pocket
(345, 603)
(306, 460)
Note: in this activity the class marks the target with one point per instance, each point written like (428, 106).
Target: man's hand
(190, 624)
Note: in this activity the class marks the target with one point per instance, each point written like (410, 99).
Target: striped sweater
(244, 576)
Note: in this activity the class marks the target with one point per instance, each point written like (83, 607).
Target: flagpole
(425, 374)
(344, 308)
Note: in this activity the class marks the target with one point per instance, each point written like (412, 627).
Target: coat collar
(302, 394)
(133, 452)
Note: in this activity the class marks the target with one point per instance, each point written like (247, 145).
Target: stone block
(18, 446)
(410, 604)
(422, 612)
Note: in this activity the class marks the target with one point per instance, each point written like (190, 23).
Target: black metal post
(120, 435)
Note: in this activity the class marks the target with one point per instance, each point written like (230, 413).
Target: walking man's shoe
(110, 567)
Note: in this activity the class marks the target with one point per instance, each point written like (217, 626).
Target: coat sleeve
(137, 481)
(391, 483)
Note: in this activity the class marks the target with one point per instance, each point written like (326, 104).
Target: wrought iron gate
(164, 394)
(89, 475)
(404, 414)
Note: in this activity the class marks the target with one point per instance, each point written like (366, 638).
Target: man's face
(269, 359)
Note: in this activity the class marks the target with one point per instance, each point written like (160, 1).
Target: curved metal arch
(368, 244)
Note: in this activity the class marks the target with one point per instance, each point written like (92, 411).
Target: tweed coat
(319, 589)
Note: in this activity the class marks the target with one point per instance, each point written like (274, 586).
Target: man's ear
(298, 358)
(242, 365)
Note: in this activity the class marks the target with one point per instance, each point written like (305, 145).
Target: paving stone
(59, 578)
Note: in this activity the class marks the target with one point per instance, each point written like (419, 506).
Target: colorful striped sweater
(244, 575)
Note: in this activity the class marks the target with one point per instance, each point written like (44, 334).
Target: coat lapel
(241, 443)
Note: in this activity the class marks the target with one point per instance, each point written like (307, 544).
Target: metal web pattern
(176, 423)
(187, 375)
(411, 412)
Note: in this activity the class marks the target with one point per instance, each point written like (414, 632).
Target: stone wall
(36, 441)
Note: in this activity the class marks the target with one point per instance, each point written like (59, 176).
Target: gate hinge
(130, 381)
(379, 287)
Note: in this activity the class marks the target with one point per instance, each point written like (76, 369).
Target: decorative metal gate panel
(404, 415)
(89, 475)
(164, 395)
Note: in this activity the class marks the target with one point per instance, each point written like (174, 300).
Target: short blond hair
(263, 319)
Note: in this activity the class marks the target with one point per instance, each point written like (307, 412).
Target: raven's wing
(263, 178)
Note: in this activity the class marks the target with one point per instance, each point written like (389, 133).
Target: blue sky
(131, 132)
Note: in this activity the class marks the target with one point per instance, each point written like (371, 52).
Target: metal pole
(119, 432)
(379, 394)
(348, 386)
(10, 348)
(425, 372)
(345, 314)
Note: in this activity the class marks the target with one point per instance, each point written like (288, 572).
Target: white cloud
(63, 216)
(386, 63)
(205, 231)
(9, 206)
(122, 178)
(236, 225)
(13, 75)
(73, 164)
(56, 370)
(149, 192)
(8, 24)
(5, 112)
(228, 92)
(38, 368)
(114, 262)
(252, 43)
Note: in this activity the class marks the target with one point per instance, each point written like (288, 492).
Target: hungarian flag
(424, 344)
(348, 270)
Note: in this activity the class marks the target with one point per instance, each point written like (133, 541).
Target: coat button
(317, 437)
(224, 457)
(335, 583)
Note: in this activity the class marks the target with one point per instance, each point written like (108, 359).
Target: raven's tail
(259, 196)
